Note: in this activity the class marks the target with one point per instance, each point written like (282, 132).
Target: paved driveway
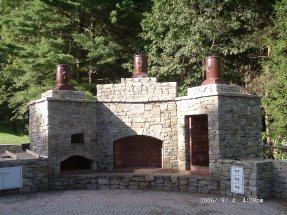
(131, 202)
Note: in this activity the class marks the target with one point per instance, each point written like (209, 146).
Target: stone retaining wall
(34, 172)
(262, 179)
(280, 179)
(201, 184)
(258, 177)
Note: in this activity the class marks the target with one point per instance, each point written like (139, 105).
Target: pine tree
(185, 32)
(31, 35)
(275, 76)
(97, 38)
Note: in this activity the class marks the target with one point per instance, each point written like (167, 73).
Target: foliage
(275, 100)
(185, 32)
(97, 38)
(32, 46)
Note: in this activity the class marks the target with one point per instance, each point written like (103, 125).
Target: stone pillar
(234, 122)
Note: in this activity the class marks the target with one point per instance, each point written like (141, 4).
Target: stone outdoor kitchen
(138, 134)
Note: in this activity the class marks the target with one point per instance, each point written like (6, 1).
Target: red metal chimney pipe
(140, 66)
(63, 77)
(213, 70)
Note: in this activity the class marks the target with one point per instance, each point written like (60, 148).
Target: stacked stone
(52, 122)
(38, 126)
(34, 174)
(234, 122)
(196, 106)
(10, 147)
(74, 117)
(136, 107)
(257, 177)
(280, 179)
(192, 184)
(136, 89)
(212, 90)
(240, 126)
(64, 94)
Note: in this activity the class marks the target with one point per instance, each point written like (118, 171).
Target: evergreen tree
(97, 38)
(275, 76)
(104, 36)
(181, 33)
(31, 38)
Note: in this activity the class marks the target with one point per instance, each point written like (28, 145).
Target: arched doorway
(137, 151)
(76, 162)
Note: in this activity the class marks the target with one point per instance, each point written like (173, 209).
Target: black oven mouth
(75, 163)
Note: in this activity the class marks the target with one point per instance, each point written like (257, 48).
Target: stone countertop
(20, 156)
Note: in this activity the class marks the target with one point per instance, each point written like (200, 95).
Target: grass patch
(8, 136)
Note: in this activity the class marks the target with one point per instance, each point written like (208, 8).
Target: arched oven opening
(138, 151)
(76, 162)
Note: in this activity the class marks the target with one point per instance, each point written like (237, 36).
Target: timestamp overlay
(212, 200)
(242, 205)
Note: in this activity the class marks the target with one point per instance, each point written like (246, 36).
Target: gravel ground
(132, 202)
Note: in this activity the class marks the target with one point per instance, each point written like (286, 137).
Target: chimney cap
(140, 66)
(63, 77)
(213, 70)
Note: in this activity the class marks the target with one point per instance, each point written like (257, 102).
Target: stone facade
(258, 177)
(54, 119)
(234, 122)
(136, 107)
(178, 183)
(279, 178)
(35, 175)
(65, 127)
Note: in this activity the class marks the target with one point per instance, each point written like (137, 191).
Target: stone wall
(34, 172)
(194, 184)
(280, 179)
(187, 107)
(143, 108)
(136, 90)
(38, 126)
(136, 107)
(10, 147)
(234, 122)
(53, 121)
(257, 177)
(240, 126)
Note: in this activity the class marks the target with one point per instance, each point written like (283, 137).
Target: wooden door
(198, 139)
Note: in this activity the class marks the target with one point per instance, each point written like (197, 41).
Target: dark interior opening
(77, 138)
(198, 140)
(138, 151)
(76, 163)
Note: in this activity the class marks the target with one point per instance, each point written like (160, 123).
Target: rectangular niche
(77, 138)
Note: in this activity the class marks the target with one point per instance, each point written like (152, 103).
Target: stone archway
(138, 151)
